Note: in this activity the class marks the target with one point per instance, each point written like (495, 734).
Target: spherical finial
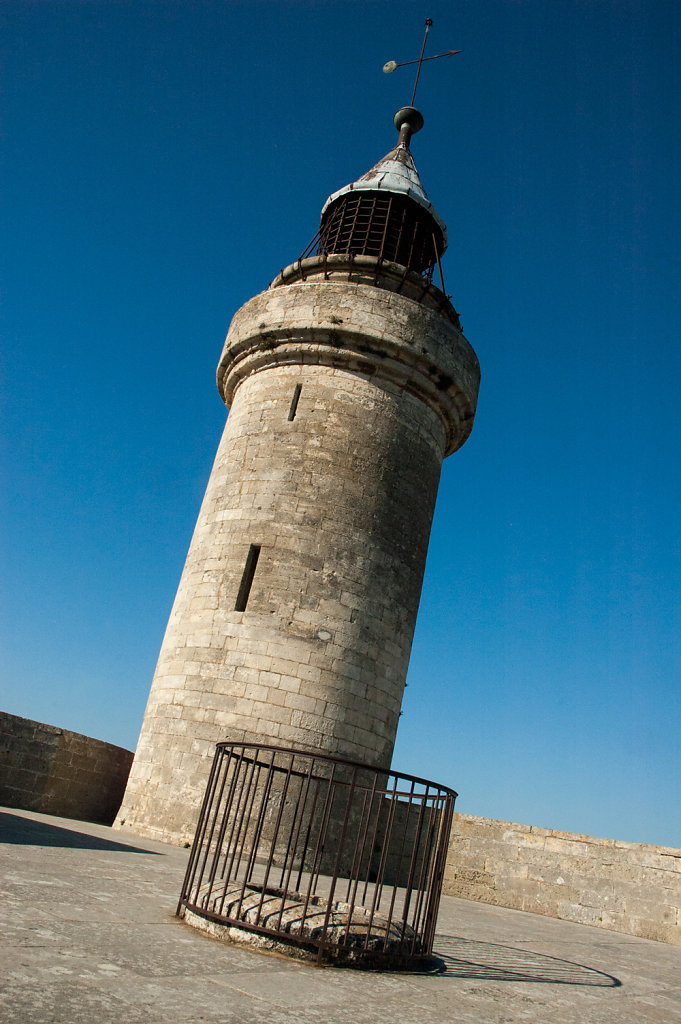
(409, 116)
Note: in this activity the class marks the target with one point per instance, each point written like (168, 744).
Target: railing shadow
(18, 831)
(489, 961)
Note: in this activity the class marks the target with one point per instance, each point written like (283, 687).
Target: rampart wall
(632, 888)
(625, 887)
(54, 771)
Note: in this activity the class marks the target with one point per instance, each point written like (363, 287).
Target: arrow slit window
(247, 578)
(294, 402)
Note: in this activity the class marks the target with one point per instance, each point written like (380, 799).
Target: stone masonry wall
(344, 399)
(339, 501)
(625, 887)
(54, 771)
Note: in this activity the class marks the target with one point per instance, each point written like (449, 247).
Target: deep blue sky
(162, 161)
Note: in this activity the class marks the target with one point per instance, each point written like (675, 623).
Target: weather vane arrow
(392, 65)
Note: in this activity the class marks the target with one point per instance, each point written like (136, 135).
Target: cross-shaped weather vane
(391, 65)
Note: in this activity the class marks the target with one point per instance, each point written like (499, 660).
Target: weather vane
(391, 65)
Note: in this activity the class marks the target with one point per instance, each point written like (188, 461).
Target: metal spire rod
(429, 22)
(391, 65)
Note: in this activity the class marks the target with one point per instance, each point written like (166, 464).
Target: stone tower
(347, 381)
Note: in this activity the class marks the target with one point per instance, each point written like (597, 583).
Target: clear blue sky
(162, 161)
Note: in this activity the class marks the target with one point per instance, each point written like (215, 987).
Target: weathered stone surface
(344, 398)
(97, 942)
(626, 887)
(351, 929)
(43, 768)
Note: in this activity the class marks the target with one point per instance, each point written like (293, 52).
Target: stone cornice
(361, 328)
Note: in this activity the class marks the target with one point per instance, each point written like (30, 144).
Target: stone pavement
(89, 935)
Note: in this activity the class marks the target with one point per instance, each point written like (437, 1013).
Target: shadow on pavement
(468, 958)
(27, 832)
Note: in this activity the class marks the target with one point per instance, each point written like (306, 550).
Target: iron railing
(337, 857)
(407, 241)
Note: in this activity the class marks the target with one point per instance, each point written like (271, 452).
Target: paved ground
(88, 935)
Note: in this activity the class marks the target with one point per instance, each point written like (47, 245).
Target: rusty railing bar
(275, 836)
(201, 826)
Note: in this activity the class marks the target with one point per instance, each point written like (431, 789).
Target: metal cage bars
(334, 856)
(387, 227)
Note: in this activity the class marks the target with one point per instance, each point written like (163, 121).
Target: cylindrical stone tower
(347, 381)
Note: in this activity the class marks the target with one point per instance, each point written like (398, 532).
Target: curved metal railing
(334, 856)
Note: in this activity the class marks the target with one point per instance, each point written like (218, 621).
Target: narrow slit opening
(294, 401)
(247, 578)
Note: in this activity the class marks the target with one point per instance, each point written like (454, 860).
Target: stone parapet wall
(625, 887)
(54, 771)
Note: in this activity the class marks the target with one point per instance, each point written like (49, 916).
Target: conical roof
(396, 173)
